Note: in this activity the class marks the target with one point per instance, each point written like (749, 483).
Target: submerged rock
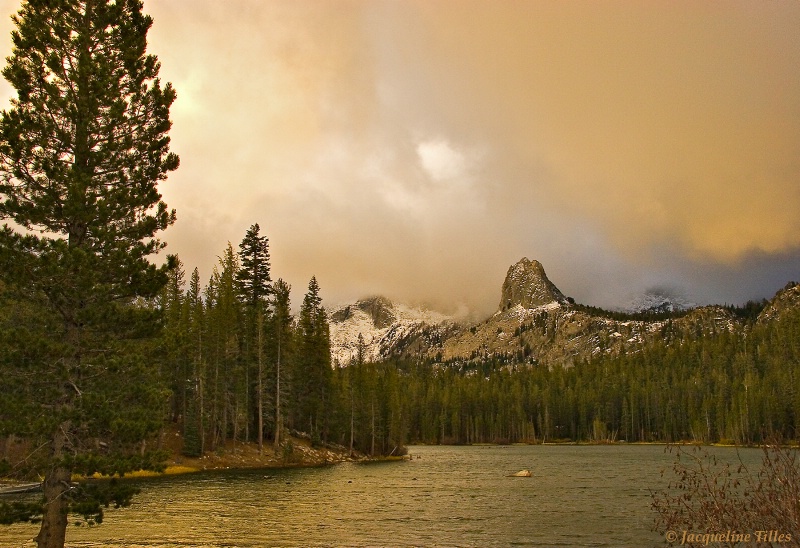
(521, 474)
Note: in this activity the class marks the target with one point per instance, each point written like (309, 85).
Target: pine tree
(313, 366)
(175, 341)
(281, 345)
(226, 385)
(81, 152)
(254, 274)
(254, 285)
(194, 423)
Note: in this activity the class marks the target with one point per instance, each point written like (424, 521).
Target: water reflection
(450, 496)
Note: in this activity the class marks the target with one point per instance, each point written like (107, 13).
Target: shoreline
(245, 456)
(792, 445)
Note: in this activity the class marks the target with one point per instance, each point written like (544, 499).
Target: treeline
(748, 311)
(242, 368)
(652, 315)
(727, 387)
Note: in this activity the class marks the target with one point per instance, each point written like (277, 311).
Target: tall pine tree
(255, 287)
(281, 347)
(81, 152)
(226, 386)
(193, 422)
(254, 275)
(312, 376)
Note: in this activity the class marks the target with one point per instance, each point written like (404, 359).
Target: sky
(417, 149)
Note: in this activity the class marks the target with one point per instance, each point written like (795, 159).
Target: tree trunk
(215, 408)
(235, 414)
(202, 421)
(260, 387)
(278, 419)
(247, 403)
(199, 374)
(352, 420)
(53, 531)
(372, 447)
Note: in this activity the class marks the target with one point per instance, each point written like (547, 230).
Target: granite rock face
(534, 324)
(527, 285)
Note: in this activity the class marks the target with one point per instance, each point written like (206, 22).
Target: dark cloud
(417, 150)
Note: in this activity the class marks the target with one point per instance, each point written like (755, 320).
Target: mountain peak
(384, 327)
(526, 284)
(379, 309)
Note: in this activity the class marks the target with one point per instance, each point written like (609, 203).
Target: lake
(445, 496)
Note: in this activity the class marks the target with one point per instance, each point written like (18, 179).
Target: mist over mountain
(659, 299)
(534, 323)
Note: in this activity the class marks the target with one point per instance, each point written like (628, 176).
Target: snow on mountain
(381, 323)
(522, 314)
(534, 324)
(659, 302)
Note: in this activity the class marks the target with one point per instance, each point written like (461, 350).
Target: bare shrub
(708, 496)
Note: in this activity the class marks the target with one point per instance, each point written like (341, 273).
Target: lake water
(449, 496)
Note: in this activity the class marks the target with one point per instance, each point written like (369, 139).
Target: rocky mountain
(658, 302)
(534, 323)
(526, 285)
(386, 329)
(786, 299)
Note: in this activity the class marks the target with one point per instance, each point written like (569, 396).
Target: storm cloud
(417, 149)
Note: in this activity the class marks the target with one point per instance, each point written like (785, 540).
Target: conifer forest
(226, 357)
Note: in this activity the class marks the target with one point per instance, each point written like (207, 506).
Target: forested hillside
(730, 387)
(232, 362)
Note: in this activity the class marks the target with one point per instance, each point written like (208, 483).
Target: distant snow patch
(407, 319)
